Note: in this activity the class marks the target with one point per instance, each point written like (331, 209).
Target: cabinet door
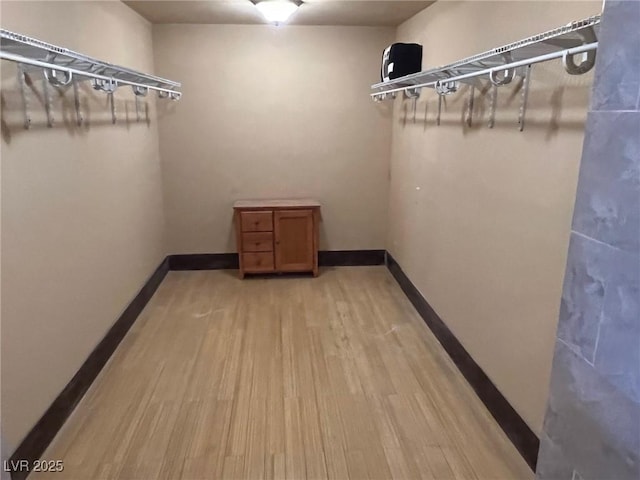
(294, 240)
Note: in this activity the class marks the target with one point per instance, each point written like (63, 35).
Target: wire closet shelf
(63, 67)
(577, 39)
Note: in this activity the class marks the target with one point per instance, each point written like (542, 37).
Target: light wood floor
(334, 377)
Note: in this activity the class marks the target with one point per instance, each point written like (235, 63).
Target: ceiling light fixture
(277, 11)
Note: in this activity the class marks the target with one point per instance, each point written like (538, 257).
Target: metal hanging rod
(565, 42)
(62, 67)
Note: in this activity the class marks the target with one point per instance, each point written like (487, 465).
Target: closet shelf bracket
(22, 75)
(524, 99)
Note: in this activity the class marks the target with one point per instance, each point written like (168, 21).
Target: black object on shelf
(401, 59)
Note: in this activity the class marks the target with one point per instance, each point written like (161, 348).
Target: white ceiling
(312, 12)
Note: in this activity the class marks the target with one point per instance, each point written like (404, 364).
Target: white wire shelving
(56, 60)
(64, 68)
(575, 43)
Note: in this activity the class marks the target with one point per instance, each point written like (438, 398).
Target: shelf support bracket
(507, 73)
(588, 36)
(442, 89)
(25, 98)
(472, 92)
(137, 100)
(54, 78)
(524, 97)
(47, 102)
(493, 105)
(108, 86)
(112, 104)
(446, 88)
(507, 76)
(76, 103)
(414, 94)
(139, 91)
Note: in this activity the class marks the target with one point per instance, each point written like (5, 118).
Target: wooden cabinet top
(276, 203)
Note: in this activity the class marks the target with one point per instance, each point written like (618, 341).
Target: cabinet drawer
(257, 221)
(257, 262)
(257, 242)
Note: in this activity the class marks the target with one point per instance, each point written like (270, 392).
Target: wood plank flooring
(282, 378)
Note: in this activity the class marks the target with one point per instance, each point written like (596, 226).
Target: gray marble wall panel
(592, 425)
(618, 354)
(583, 295)
(617, 77)
(596, 426)
(556, 465)
(608, 199)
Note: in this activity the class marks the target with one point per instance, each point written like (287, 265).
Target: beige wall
(479, 218)
(273, 112)
(82, 222)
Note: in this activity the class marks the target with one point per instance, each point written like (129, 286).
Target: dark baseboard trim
(203, 261)
(41, 435)
(223, 261)
(509, 420)
(350, 258)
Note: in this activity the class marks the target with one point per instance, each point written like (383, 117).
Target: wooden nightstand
(277, 235)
